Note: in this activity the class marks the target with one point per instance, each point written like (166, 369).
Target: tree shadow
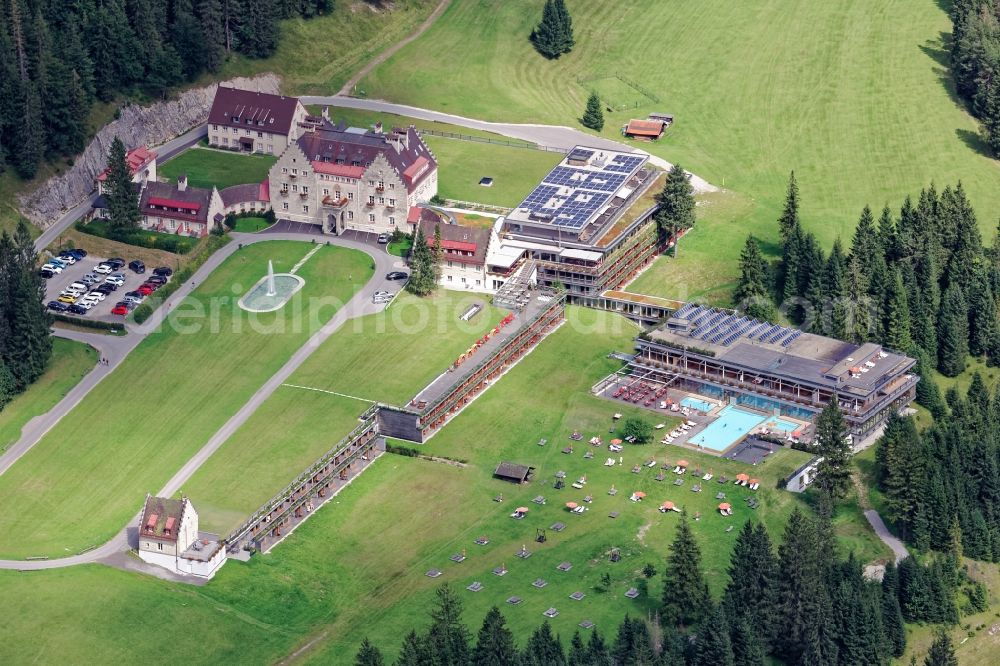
(937, 50)
(974, 140)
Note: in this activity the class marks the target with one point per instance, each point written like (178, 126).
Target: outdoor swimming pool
(778, 424)
(694, 403)
(732, 425)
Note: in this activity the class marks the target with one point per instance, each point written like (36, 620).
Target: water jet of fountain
(271, 291)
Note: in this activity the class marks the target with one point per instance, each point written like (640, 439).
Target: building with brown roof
(180, 209)
(169, 537)
(341, 178)
(141, 164)
(463, 250)
(644, 129)
(254, 122)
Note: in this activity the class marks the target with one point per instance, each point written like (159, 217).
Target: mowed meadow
(852, 95)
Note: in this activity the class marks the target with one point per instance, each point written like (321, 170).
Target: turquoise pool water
(695, 403)
(732, 425)
(784, 425)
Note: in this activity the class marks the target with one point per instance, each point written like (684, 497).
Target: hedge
(154, 240)
(88, 323)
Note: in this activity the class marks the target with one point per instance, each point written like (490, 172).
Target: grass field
(70, 362)
(207, 167)
(387, 357)
(87, 476)
(758, 89)
(249, 225)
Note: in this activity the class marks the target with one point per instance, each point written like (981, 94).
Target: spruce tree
(897, 316)
(632, 644)
(713, 646)
(566, 40)
(423, 274)
(789, 220)
(593, 116)
(447, 637)
(892, 614)
(801, 600)
(676, 204)
(752, 291)
(368, 655)
(833, 473)
(412, 651)
(686, 600)
(752, 580)
(495, 645)
(598, 652)
(578, 654)
(210, 18)
(543, 648)
(748, 649)
(942, 652)
(953, 332)
(122, 198)
(28, 146)
(547, 36)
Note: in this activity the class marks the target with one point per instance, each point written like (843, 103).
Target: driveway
(554, 136)
(897, 546)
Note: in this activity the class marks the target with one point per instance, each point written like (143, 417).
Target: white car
(381, 297)
(104, 269)
(67, 258)
(77, 285)
(73, 292)
(55, 268)
(85, 304)
(96, 296)
(115, 280)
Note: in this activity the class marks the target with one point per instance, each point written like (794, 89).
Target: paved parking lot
(74, 273)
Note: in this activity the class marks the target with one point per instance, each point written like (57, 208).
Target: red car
(151, 285)
(145, 290)
(119, 309)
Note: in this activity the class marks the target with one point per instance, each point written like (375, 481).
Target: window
(284, 169)
(381, 201)
(284, 187)
(463, 280)
(392, 202)
(326, 191)
(215, 127)
(225, 141)
(305, 172)
(305, 189)
(270, 149)
(284, 205)
(295, 172)
(350, 215)
(159, 546)
(260, 135)
(305, 209)
(295, 188)
(371, 217)
(350, 196)
(381, 184)
(371, 200)
(371, 183)
(449, 278)
(392, 186)
(392, 221)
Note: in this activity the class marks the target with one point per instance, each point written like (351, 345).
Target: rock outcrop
(136, 125)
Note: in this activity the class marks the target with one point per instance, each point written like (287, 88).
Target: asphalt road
(554, 136)
(115, 349)
(164, 152)
(875, 520)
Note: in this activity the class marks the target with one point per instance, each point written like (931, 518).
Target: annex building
(169, 537)
(775, 369)
(254, 122)
(572, 228)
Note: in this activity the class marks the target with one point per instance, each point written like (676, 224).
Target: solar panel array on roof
(723, 328)
(570, 196)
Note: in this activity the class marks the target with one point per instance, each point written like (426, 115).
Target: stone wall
(136, 125)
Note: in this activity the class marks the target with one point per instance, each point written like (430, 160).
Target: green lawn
(88, 475)
(759, 88)
(70, 362)
(249, 225)
(386, 357)
(208, 167)
(400, 248)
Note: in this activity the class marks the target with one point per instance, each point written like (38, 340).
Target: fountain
(272, 291)
(270, 279)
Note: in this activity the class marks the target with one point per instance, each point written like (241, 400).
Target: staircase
(516, 291)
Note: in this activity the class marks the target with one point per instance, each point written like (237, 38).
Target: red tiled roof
(457, 246)
(414, 215)
(415, 170)
(264, 194)
(136, 159)
(265, 112)
(175, 203)
(334, 169)
(645, 127)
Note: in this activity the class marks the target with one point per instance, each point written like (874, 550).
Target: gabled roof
(512, 472)
(456, 239)
(161, 518)
(645, 127)
(335, 149)
(242, 193)
(253, 110)
(159, 200)
(137, 159)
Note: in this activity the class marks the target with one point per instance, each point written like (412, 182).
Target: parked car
(59, 262)
(152, 285)
(45, 273)
(78, 285)
(98, 295)
(119, 309)
(166, 271)
(77, 310)
(52, 268)
(145, 290)
(107, 288)
(383, 239)
(381, 297)
(397, 275)
(133, 294)
(115, 262)
(156, 279)
(115, 280)
(57, 306)
(137, 267)
(67, 298)
(90, 280)
(67, 259)
(72, 292)
(75, 252)
(104, 269)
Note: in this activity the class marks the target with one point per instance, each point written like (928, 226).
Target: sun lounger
(579, 509)
(754, 486)
(539, 500)
(610, 462)
(539, 583)
(685, 426)
(677, 469)
(696, 488)
(543, 442)
(588, 455)
(707, 477)
(678, 482)
(588, 499)
(720, 496)
(723, 479)
(552, 612)
(632, 593)
(615, 448)
(560, 474)
(578, 485)
(661, 476)
(568, 449)
(636, 469)
(613, 492)
(661, 426)
(482, 541)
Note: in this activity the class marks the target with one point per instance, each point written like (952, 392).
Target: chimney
(326, 113)
(378, 128)
(182, 182)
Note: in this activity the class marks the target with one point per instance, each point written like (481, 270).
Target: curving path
(359, 306)
(391, 51)
(554, 136)
(883, 533)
